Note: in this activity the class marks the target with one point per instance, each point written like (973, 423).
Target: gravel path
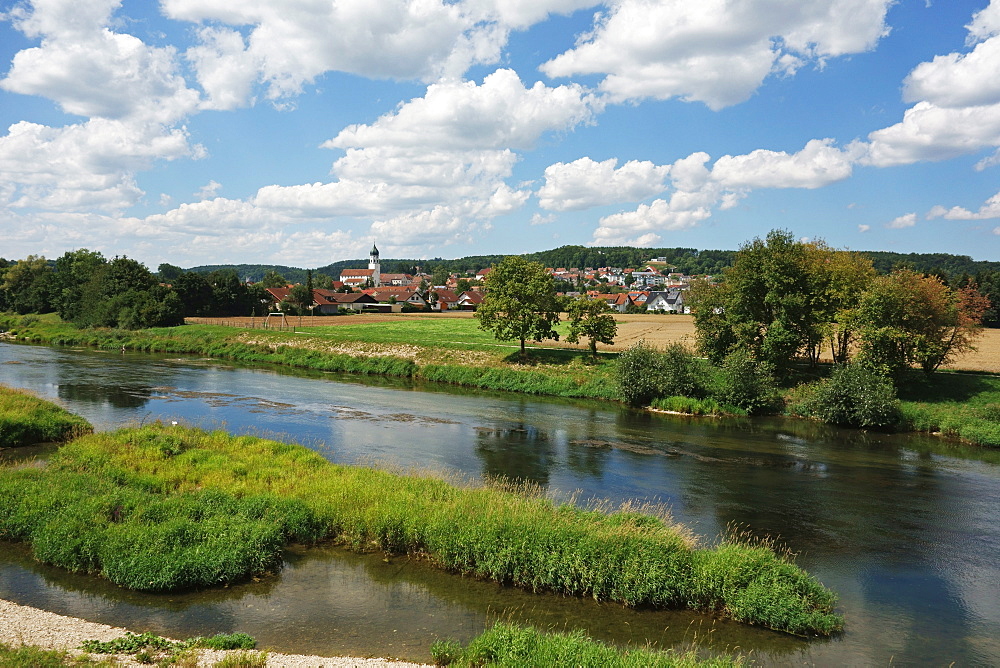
(21, 625)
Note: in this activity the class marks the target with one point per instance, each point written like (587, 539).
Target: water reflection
(906, 529)
(328, 602)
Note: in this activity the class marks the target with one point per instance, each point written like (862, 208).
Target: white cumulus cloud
(585, 183)
(715, 51)
(989, 210)
(902, 222)
(818, 164)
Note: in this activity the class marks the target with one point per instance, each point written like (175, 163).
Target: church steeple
(374, 266)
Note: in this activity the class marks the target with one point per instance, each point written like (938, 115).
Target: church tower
(374, 266)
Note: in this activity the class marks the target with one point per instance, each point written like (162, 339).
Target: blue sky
(299, 132)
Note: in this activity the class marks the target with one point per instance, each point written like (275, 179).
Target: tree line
(89, 290)
(784, 300)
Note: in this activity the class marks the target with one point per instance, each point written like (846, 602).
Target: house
(395, 279)
(618, 302)
(356, 278)
(639, 297)
(470, 300)
(398, 295)
(332, 302)
(671, 301)
(445, 299)
(325, 302)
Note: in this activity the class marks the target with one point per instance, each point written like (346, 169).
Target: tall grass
(160, 507)
(26, 419)
(506, 645)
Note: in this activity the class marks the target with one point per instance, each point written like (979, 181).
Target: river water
(905, 529)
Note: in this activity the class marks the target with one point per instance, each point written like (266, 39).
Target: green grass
(514, 646)
(455, 351)
(448, 350)
(35, 657)
(166, 507)
(959, 405)
(25, 420)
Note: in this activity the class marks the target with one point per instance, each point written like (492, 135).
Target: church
(357, 278)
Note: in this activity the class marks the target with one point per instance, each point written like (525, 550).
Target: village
(654, 288)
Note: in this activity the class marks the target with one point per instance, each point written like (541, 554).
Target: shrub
(680, 372)
(856, 396)
(639, 374)
(746, 383)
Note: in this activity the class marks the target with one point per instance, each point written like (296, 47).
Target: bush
(746, 383)
(680, 372)
(639, 374)
(856, 396)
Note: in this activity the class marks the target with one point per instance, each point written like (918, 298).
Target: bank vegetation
(166, 507)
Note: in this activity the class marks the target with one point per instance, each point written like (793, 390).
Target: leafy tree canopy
(520, 302)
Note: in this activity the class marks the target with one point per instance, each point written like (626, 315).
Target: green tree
(781, 299)
(168, 272)
(300, 296)
(747, 383)
(30, 286)
(591, 318)
(519, 303)
(195, 293)
(74, 270)
(273, 279)
(907, 318)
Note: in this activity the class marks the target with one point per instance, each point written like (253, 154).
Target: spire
(374, 251)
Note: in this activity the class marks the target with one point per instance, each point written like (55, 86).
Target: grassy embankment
(161, 508)
(454, 350)
(25, 420)
(447, 350)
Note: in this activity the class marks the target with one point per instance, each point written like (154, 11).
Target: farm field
(658, 330)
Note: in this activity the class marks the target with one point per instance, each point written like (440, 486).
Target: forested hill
(687, 260)
(930, 263)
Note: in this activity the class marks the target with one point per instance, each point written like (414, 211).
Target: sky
(300, 132)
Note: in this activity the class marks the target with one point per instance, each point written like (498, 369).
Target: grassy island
(25, 420)
(164, 507)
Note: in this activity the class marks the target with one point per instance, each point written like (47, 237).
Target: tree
(30, 286)
(781, 298)
(519, 302)
(273, 279)
(73, 271)
(591, 318)
(907, 318)
(300, 296)
(168, 272)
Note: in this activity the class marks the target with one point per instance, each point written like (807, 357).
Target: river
(905, 528)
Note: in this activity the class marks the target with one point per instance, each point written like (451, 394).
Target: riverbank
(21, 625)
(453, 350)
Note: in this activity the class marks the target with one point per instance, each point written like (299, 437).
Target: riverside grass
(455, 351)
(506, 645)
(451, 351)
(25, 420)
(163, 507)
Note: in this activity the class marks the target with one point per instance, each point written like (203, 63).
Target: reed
(515, 646)
(26, 419)
(164, 507)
